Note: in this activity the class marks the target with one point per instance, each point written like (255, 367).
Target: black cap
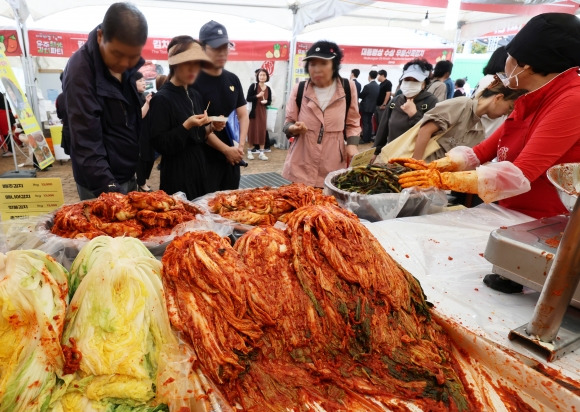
(322, 50)
(214, 34)
(549, 43)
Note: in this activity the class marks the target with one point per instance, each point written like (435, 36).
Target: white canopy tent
(360, 22)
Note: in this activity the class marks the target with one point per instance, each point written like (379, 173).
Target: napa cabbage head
(102, 248)
(33, 292)
(118, 319)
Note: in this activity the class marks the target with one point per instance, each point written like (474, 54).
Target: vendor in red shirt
(542, 131)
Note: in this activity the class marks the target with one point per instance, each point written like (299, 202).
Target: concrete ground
(64, 170)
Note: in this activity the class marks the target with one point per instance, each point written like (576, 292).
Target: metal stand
(12, 174)
(555, 328)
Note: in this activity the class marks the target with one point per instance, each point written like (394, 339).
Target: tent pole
(29, 74)
(10, 134)
(294, 8)
(20, 11)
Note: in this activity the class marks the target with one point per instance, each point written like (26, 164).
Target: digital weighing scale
(544, 255)
(524, 253)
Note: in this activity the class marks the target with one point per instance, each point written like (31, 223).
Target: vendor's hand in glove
(421, 178)
(444, 165)
(464, 182)
(410, 163)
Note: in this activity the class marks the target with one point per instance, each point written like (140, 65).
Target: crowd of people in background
(438, 83)
(115, 130)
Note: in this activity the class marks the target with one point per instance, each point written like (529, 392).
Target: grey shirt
(458, 121)
(439, 89)
(395, 121)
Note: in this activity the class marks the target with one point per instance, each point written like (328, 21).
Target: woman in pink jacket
(326, 132)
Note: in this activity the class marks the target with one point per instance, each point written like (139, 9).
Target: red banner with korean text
(56, 44)
(386, 55)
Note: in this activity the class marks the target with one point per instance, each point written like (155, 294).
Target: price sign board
(22, 198)
(362, 158)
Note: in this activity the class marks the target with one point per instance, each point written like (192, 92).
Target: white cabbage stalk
(33, 292)
(118, 319)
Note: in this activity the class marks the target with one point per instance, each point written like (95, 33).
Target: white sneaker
(262, 156)
(250, 155)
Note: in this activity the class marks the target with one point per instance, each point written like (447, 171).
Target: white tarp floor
(445, 253)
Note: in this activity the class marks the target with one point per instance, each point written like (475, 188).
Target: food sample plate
(218, 119)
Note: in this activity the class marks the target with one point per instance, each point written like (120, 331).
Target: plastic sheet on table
(445, 252)
(35, 233)
(383, 206)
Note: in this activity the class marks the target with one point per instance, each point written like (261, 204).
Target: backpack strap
(300, 95)
(346, 87)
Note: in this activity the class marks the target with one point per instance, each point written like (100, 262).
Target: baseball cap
(322, 50)
(214, 34)
(416, 72)
(193, 53)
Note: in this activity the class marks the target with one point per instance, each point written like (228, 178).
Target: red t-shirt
(543, 131)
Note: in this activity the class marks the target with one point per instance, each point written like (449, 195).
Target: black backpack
(345, 86)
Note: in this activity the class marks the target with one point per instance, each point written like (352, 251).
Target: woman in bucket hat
(179, 126)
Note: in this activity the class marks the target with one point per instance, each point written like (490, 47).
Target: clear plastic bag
(35, 233)
(464, 157)
(383, 206)
(238, 229)
(500, 180)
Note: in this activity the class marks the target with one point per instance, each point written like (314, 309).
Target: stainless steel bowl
(566, 179)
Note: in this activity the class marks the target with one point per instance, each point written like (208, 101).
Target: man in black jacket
(354, 73)
(368, 105)
(102, 103)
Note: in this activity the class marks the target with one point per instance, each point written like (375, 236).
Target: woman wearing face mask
(179, 126)
(543, 130)
(407, 108)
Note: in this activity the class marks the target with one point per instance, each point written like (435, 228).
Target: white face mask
(505, 79)
(410, 89)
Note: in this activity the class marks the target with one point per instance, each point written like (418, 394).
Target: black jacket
(395, 122)
(358, 87)
(182, 151)
(369, 96)
(104, 119)
(61, 114)
(251, 97)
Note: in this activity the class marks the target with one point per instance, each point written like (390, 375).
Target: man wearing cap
(222, 90)
(102, 103)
